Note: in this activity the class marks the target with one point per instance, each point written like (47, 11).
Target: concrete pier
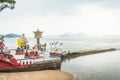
(85, 52)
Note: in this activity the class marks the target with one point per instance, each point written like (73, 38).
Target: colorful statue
(22, 42)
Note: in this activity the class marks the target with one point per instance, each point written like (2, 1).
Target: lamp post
(38, 35)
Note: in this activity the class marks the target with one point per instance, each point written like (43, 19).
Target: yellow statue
(22, 41)
(19, 42)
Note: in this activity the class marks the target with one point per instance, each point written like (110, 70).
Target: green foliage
(7, 4)
(7, 1)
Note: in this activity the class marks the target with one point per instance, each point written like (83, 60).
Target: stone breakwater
(85, 52)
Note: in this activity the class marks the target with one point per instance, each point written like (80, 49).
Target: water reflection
(102, 66)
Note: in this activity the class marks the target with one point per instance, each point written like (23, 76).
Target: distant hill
(69, 35)
(73, 35)
(12, 35)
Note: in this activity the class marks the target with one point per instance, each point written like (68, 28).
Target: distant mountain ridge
(73, 35)
(64, 35)
(69, 35)
(11, 35)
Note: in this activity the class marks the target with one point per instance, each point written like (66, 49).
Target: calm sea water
(102, 66)
(72, 44)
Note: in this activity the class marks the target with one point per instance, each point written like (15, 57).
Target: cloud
(94, 17)
(60, 7)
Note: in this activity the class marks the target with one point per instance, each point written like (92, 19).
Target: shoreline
(37, 75)
(52, 74)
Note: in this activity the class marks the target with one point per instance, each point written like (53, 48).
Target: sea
(101, 66)
(71, 44)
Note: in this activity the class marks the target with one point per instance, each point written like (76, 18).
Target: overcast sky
(53, 17)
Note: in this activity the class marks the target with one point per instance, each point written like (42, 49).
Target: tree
(7, 4)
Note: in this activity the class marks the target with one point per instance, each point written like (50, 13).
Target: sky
(55, 17)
